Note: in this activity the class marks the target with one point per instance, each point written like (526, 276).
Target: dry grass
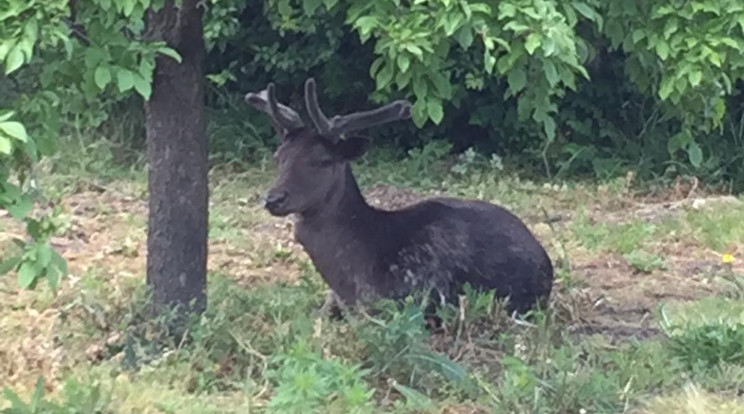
(694, 400)
(591, 233)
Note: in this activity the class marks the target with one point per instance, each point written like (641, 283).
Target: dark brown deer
(365, 253)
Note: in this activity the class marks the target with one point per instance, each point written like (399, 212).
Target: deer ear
(351, 148)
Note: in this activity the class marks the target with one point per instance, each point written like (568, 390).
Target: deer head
(313, 161)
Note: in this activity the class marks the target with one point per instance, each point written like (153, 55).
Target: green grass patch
(261, 347)
(718, 228)
(625, 238)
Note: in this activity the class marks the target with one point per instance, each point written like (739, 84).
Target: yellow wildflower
(727, 258)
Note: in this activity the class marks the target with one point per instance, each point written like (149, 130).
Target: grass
(642, 318)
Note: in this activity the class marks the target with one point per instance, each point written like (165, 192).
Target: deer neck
(344, 205)
(337, 238)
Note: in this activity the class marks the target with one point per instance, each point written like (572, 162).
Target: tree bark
(177, 163)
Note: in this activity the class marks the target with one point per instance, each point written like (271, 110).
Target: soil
(107, 230)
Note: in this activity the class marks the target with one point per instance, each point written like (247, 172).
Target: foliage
(262, 314)
(709, 344)
(576, 87)
(65, 61)
(79, 398)
(306, 382)
(651, 78)
(693, 52)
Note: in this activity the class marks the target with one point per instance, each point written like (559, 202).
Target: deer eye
(322, 162)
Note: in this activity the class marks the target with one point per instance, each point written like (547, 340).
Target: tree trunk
(177, 163)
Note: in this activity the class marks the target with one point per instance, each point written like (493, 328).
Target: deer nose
(275, 199)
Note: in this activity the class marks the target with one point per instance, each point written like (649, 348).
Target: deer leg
(333, 306)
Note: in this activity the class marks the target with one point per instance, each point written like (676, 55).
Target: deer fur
(366, 253)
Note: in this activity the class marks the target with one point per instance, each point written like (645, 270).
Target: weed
(261, 347)
(623, 238)
(719, 228)
(78, 398)
(709, 345)
(644, 261)
(307, 382)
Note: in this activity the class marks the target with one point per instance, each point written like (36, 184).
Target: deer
(364, 253)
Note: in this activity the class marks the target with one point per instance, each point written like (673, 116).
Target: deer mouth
(278, 211)
(276, 203)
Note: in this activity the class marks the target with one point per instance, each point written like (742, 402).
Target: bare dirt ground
(107, 237)
(108, 231)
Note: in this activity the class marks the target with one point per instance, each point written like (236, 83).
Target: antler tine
(322, 124)
(281, 115)
(395, 111)
(276, 113)
(338, 125)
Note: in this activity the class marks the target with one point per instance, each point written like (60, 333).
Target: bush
(583, 87)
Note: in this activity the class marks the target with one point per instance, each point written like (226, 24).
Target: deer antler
(281, 115)
(333, 128)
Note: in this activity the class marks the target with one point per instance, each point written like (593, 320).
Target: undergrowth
(265, 348)
(269, 343)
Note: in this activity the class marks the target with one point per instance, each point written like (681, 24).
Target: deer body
(364, 253)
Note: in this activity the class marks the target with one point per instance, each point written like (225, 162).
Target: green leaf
(670, 27)
(102, 76)
(5, 48)
(143, 86)
(124, 79)
(452, 24)
(17, 406)
(517, 80)
(330, 3)
(418, 113)
(20, 209)
(6, 116)
(549, 126)
(420, 87)
(384, 76)
(14, 60)
(14, 130)
(59, 262)
(638, 35)
(5, 146)
(404, 62)
(532, 43)
(44, 254)
(365, 25)
(416, 51)
(440, 363)
(548, 47)
(465, 37)
(695, 77)
(666, 88)
(551, 73)
(146, 68)
(678, 141)
(715, 59)
(8, 264)
(435, 111)
(309, 6)
(171, 53)
(442, 83)
(414, 398)
(26, 275)
(127, 6)
(695, 154)
(489, 61)
(38, 396)
(53, 277)
(588, 12)
(662, 49)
